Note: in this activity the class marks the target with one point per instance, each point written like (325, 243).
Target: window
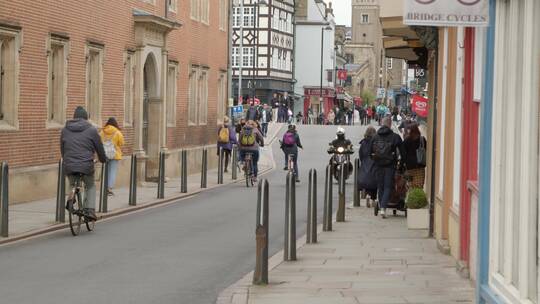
(9, 70)
(57, 81)
(365, 18)
(389, 63)
(222, 97)
(172, 5)
(94, 63)
(235, 57)
(192, 106)
(222, 15)
(205, 11)
(236, 17)
(172, 79)
(195, 9)
(247, 56)
(128, 88)
(249, 16)
(203, 96)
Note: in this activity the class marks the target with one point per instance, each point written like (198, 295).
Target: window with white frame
(365, 18)
(9, 68)
(57, 81)
(203, 96)
(195, 9)
(223, 15)
(235, 56)
(129, 82)
(172, 79)
(248, 56)
(94, 70)
(389, 63)
(249, 16)
(205, 11)
(237, 17)
(172, 5)
(193, 96)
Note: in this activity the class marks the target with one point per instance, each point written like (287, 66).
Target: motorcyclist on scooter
(341, 148)
(340, 141)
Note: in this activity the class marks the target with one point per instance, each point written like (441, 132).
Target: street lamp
(326, 28)
(256, 45)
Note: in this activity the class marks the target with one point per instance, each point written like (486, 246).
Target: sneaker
(90, 214)
(383, 213)
(285, 168)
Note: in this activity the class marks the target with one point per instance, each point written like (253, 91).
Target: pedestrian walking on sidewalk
(79, 141)
(266, 117)
(275, 107)
(367, 179)
(113, 141)
(385, 153)
(290, 144)
(331, 117)
(413, 154)
(226, 140)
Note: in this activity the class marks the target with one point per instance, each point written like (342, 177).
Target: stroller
(397, 198)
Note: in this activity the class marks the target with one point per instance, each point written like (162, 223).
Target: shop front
(319, 101)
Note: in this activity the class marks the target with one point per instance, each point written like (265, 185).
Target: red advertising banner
(342, 74)
(420, 105)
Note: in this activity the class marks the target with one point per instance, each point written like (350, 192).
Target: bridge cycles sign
(473, 13)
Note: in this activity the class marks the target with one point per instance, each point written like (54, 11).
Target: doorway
(151, 120)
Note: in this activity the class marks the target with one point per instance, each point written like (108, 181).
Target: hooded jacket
(78, 143)
(388, 135)
(112, 133)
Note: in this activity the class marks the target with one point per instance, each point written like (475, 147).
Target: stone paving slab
(364, 260)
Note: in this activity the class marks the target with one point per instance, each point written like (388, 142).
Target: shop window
(128, 89)
(94, 65)
(9, 67)
(172, 79)
(57, 81)
(192, 106)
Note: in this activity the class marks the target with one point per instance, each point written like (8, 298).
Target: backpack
(289, 139)
(421, 153)
(383, 154)
(110, 149)
(248, 137)
(223, 136)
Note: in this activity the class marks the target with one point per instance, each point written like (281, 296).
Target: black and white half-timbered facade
(265, 56)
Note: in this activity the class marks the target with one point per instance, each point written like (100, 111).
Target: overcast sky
(342, 11)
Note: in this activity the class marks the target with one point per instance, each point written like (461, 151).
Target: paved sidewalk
(37, 217)
(364, 260)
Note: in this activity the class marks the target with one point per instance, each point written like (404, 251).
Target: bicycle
(75, 205)
(248, 170)
(290, 163)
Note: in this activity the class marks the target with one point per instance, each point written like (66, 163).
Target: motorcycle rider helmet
(340, 133)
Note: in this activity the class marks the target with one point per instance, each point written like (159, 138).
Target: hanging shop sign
(342, 74)
(473, 13)
(420, 106)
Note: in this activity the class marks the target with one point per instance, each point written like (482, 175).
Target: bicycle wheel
(90, 225)
(75, 214)
(247, 171)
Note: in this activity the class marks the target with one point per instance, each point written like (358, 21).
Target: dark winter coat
(408, 153)
(367, 179)
(252, 114)
(387, 134)
(78, 143)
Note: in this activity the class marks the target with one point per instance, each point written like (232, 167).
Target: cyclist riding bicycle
(250, 140)
(290, 144)
(78, 143)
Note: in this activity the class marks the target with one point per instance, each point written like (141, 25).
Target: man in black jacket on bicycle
(78, 143)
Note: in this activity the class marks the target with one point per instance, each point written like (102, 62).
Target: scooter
(341, 157)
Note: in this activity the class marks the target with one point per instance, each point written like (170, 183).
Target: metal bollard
(260, 275)
(289, 252)
(356, 196)
(61, 193)
(4, 199)
(133, 181)
(328, 209)
(161, 176)
(311, 237)
(234, 163)
(220, 166)
(204, 168)
(340, 217)
(183, 172)
(104, 195)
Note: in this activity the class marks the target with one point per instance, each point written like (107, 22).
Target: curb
(132, 209)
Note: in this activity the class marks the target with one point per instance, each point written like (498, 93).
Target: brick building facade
(158, 66)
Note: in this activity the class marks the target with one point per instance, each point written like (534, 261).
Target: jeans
(88, 180)
(113, 169)
(254, 159)
(226, 157)
(264, 128)
(385, 184)
(275, 114)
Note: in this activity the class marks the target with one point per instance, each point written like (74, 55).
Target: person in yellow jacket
(113, 140)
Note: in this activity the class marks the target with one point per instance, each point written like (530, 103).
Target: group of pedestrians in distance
(79, 141)
(383, 152)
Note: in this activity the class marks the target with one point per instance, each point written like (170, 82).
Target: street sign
(342, 74)
(420, 105)
(381, 92)
(238, 109)
(390, 94)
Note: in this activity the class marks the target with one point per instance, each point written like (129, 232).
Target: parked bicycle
(75, 207)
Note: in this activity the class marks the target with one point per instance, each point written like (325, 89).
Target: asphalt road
(186, 252)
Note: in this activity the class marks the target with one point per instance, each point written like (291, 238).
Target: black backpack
(382, 149)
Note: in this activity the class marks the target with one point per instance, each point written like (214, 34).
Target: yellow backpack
(223, 136)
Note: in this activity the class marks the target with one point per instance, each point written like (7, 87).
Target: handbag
(421, 153)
